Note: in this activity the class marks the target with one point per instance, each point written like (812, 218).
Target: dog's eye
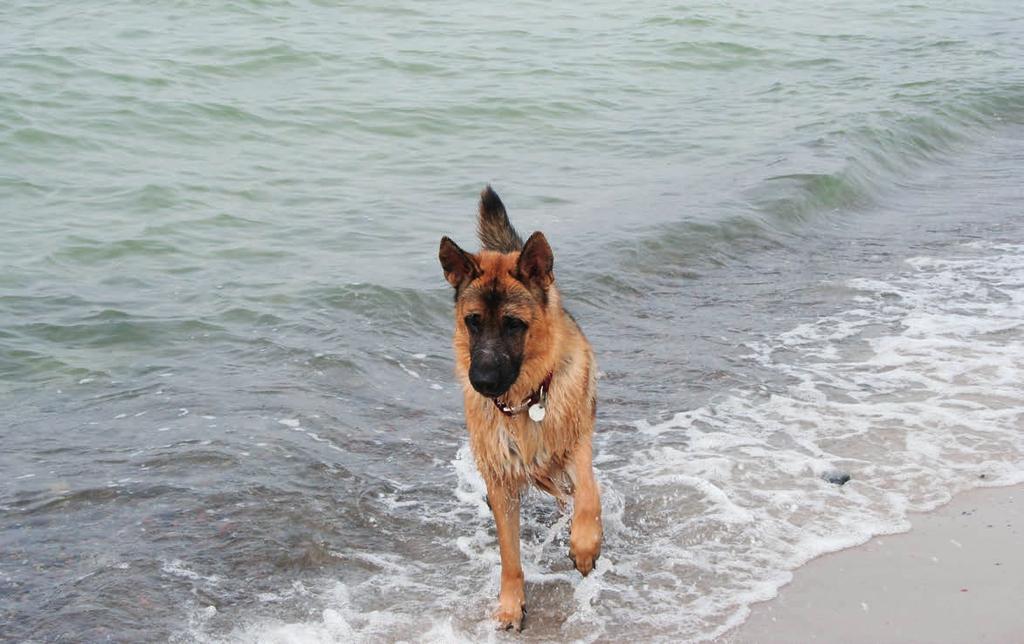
(473, 322)
(513, 323)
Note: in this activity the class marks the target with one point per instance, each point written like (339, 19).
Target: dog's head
(501, 306)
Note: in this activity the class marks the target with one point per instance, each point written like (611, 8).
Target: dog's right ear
(459, 266)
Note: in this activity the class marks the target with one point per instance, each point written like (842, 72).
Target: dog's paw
(585, 545)
(510, 614)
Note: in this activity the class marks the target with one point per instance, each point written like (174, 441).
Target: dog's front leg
(504, 504)
(585, 532)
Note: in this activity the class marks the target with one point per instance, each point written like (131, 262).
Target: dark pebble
(836, 477)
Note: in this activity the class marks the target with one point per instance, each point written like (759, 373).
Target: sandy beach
(955, 577)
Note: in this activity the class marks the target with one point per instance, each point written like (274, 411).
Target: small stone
(836, 477)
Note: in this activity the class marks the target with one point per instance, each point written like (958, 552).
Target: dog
(529, 390)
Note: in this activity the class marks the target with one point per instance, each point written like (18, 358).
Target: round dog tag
(537, 412)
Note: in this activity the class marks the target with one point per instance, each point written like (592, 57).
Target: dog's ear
(536, 262)
(459, 266)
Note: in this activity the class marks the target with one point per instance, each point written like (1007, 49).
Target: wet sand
(957, 576)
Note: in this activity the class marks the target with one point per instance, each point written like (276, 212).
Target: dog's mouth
(490, 390)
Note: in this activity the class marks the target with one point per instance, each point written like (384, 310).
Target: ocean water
(792, 232)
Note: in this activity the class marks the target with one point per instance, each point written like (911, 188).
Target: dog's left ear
(536, 262)
(459, 266)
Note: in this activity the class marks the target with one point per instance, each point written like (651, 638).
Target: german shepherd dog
(529, 390)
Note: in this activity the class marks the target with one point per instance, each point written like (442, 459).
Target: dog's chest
(524, 449)
(523, 454)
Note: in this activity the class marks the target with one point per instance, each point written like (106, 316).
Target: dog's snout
(486, 377)
(488, 384)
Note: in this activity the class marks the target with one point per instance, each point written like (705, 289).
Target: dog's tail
(493, 227)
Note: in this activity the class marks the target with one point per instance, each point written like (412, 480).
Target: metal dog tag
(537, 412)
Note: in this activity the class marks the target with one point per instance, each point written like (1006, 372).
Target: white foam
(915, 392)
(408, 371)
(178, 568)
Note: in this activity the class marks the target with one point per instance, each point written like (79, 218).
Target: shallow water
(791, 232)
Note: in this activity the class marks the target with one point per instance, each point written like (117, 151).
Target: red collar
(537, 396)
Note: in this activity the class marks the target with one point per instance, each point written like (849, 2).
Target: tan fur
(513, 452)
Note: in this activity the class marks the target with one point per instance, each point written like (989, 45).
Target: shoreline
(955, 576)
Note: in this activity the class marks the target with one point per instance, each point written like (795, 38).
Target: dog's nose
(486, 381)
(488, 386)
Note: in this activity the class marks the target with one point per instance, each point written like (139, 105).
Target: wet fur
(513, 452)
